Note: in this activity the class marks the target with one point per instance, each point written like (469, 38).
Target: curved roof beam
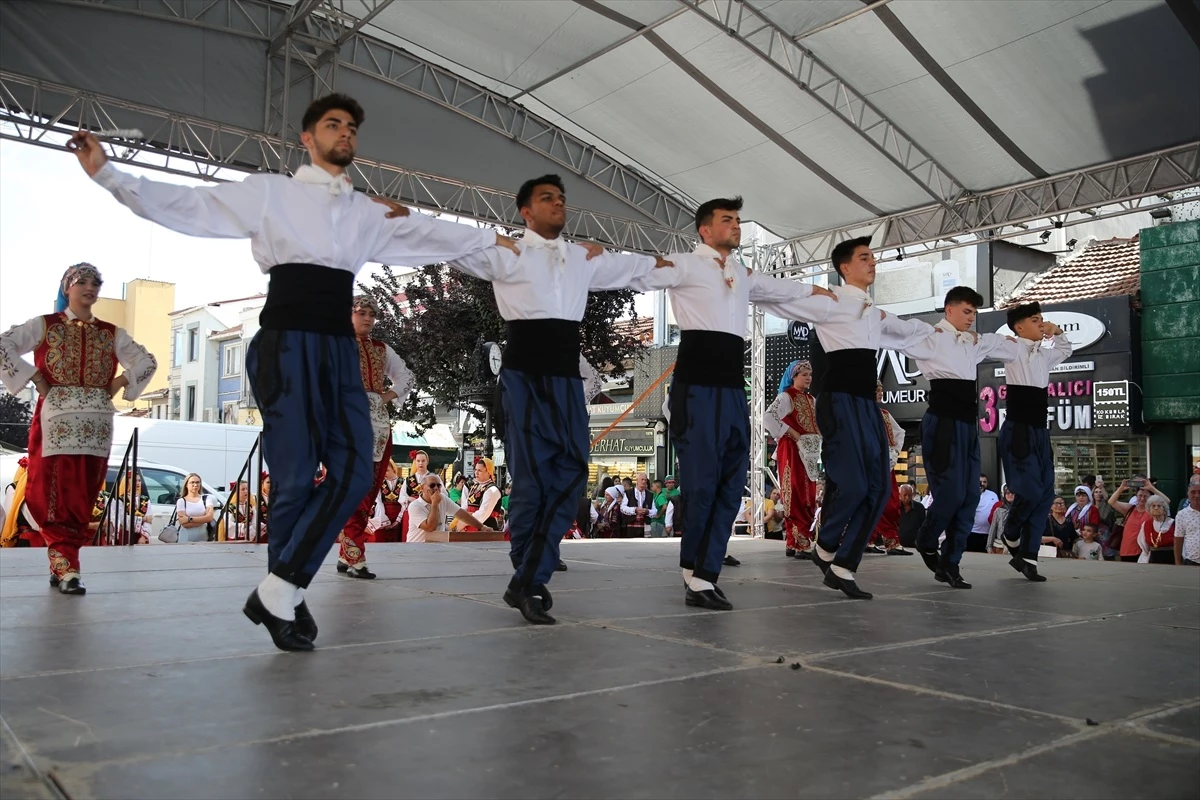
(336, 43)
(31, 109)
(1120, 187)
(762, 36)
(931, 65)
(730, 102)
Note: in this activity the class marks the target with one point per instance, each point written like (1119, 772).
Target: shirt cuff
(109, 176)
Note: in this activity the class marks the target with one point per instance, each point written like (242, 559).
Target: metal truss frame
(200, 148)
(762, 36)
(1141, 183)
(758, 411)
(319, 37)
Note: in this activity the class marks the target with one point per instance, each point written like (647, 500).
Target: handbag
(170, 532)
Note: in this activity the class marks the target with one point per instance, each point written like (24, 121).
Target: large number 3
(988, 396)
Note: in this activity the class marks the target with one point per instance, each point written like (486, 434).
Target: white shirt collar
(315, 176)
(728, 266)
(944, 325)
(557, 246)
(846, 291)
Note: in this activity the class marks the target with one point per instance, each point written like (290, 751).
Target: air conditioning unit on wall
(208, 415)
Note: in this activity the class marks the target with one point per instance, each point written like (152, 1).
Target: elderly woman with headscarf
(1157, 536)
(792, 420)
(75, 359)
(1086, 511)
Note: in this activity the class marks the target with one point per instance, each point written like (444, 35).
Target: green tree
(437, 326)
(14, 422)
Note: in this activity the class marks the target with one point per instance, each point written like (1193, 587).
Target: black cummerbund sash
(542, 347)
(850, 371)
(309, 297)
(711, 358)
(1027, 404)
(952, 398)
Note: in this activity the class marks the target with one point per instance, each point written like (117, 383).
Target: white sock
(699, 584)
(841, 572)
(823, 553)
(1030, 561)
(687, 576)
(278, 596)
(299, 596)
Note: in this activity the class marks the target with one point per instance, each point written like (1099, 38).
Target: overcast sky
(54, 216)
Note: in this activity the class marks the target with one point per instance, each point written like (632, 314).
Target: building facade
(139, 310)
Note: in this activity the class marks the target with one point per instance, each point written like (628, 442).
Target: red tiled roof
(1104, 269)
(642, 329)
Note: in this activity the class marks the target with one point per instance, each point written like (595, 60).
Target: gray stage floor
(425, 685)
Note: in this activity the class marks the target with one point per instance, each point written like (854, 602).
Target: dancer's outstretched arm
(227, 210)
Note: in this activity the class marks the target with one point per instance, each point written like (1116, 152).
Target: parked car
(162, 482)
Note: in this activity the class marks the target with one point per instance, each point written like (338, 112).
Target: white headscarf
(1084, 509)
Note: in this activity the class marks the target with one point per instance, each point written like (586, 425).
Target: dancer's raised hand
(88, 150)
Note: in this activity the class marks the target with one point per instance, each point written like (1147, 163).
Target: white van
(213, 451)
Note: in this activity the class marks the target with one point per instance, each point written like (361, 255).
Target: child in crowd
(1087, 548)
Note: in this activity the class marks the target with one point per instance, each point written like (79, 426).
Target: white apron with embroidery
(381, 424)
(810, 453)
(77, 420)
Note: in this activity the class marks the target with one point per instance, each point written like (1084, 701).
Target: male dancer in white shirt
(1025, 438)
(541, 294)
(949, 433)
(312, 234)
(854, 445)
(710, 293)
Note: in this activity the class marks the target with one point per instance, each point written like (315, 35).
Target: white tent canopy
(823, 114)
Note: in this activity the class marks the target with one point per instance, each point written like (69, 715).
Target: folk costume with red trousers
(792, 420)
(379, 365)
(389, 512)
(887, 530)
(71, 432)
(483, 501)
(20, 529)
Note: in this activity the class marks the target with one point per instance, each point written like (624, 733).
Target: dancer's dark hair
(704, 213)
(963, 294)
(525, 193)
(323, 105)
(844, 251)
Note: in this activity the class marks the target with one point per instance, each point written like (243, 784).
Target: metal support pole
(758, 406)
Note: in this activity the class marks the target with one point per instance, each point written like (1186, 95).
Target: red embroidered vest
(77, 353)
(372, 359)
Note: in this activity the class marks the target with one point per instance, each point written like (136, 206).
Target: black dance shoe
(54, 581)
(1017, 563)
(75, 586)
(899, 551)
(283, 632)
(362, 573)
(848, 587)
(561, 567)
(531, 607)
(342, 566)
(877, 550)
(821, 563)
(306, 626)
(730, 561)
(932, 559)
(709, 598)
(803, 555)
(1030, 572)
(790, 553)
(955, 578)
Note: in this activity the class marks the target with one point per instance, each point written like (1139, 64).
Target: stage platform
(425, 685)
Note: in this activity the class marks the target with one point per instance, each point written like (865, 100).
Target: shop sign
(625, 442)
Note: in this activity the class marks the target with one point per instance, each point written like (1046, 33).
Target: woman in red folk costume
(792, 420)
(239, 523)
(380, 366)
(118, 527)
(483, 501)
(75, 364)
(418, 469)
(264, 503)
(887, 530)
(385, 526)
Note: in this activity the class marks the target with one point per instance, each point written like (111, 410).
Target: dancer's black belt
(851, 372)
(542, 347)
(952, 398)
(711, 358)
(309, 297)
(1027, 404)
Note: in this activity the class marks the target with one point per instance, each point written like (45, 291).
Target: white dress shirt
(313, 218)
(947, 353)
(639, 497)
(703, 301)
(1033, 362)
(552, 277)
(852, 322)
(418, 512)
